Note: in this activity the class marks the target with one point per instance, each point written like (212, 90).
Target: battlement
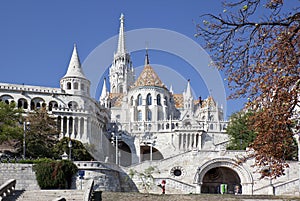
(29, 88)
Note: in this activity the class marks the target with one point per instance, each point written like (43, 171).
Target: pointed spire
(121, 42)
(74, 68)
(104, 90)
(147, 58)
(171, 89)
(188, 91)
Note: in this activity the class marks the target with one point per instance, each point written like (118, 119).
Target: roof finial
(121, 42)
(147, 57)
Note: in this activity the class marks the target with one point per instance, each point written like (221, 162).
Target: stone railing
(7, 188)
(286, 187)
(88, 190)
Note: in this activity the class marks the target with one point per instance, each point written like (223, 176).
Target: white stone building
(183, 138)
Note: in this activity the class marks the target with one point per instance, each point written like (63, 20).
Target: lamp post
(70, 149)
(117, 155)
(25, 124)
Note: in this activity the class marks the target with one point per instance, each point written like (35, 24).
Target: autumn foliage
(256, 43)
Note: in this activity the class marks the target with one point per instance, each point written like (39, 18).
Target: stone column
(73, 128)
(79, 134)
(68, 127)
(62, 127)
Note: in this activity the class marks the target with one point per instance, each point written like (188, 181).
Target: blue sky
(37, 37)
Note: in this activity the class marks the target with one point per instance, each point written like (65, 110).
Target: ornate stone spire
(188, 92)
(121, 42)
(104, 90)
(74, 68)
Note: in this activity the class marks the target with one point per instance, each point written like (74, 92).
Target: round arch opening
(125, 154)
(147, 153)
(221, 180)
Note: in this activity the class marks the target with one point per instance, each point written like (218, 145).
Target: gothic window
(166, 101)
(158, 101)
(76, 85)
(68, 85)
(139, 116)
(149, 115)
(82, 87)
(149, 99)
(139, 99)
(121, 89)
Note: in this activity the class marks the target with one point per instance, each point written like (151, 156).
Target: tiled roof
(148, 77)
(178, 99)
(116, 99)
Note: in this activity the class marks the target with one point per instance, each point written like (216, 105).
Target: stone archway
(147, 153)
(125, 154)
(214, 177)
(223, 170)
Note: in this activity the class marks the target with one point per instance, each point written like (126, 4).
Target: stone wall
(23, 174)
(107, 177)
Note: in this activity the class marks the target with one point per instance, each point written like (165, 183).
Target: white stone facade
(184, 138)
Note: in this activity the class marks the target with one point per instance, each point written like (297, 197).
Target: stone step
(49, 195)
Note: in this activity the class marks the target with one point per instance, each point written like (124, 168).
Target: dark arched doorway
(147, 153)
(214, 177)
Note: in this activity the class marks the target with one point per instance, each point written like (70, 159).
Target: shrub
(52, 174)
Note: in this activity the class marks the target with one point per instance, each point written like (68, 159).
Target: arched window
(76, 85)
(149, 99)
(139, 99)
(149, 115)
(37, 103)
(22, 103)
(73, 105)
(68, 85)
(139, 115)
(158, 101)
(52, 104)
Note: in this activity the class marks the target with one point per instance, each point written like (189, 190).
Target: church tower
(121, 72)
(74, 81)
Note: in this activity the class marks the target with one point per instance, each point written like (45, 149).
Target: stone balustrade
(7, 188)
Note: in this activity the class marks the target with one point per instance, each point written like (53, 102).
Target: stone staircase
(48, 195)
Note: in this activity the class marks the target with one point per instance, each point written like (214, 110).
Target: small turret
(188, 97)
(104, 97)
(74, 81)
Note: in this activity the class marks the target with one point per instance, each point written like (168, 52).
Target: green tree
(240, 134)
(11, 131)
(42, 134)
(79, 152)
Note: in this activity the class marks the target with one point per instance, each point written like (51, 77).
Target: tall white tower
(121, 72)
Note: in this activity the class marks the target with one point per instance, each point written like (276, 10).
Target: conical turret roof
(74, 68)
